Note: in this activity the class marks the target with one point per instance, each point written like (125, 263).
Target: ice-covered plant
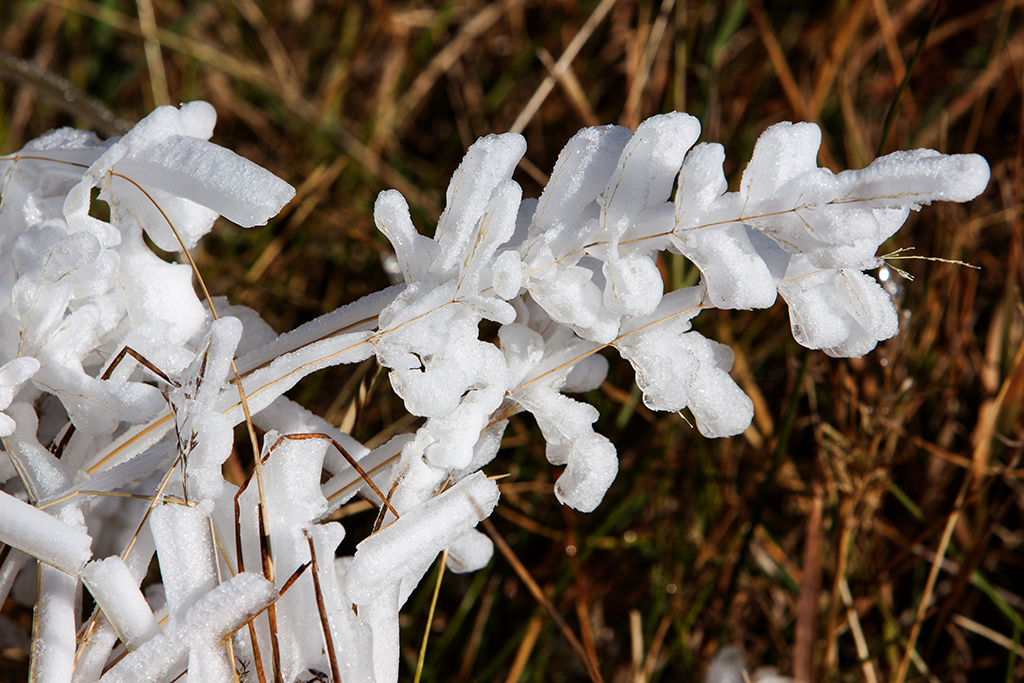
(115, 377)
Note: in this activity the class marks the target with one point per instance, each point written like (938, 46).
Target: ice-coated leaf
(40, 472)
(664, 370)
(569, 295)
(592, 465)
(404, 550)
(54, 654)
(487, 164)
(587, 375)
(647, 168)
(205, 435)
(735, 273)
(164, 170)
(783, 152)
(340, 488)
(727, 667)
(216, 616)
(161, 658)
(700, 184)
(415, 252)
(358, 316)
(391, 563)
(633, 284)
(210, 176)
(648, 164)
(96, 406)
(507, 274)
(590, 458)
(580, 174)
(496, 227)
(155, 291)
(845, 312)
(455, 435)
(470, 552)
(914, 178)
(13, 374)
(264, 385)
(293, 477)
(718, 404)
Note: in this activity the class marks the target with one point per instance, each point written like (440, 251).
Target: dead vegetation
(866, 527)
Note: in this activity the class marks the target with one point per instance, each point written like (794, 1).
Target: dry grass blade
(933, 575)
(154, 61)
(867, 665)
(296, 575)
(654, 651)
(984, 631)
(238, 68)
(257, 656)
(844, 39)
(524, 575)
(571, 84)
(430, 616)
(60, 92)
(986, 430)
(444, 59)
(469, 653)
(325, 623)
(525, 649)
(974, 129)
(981, 84)
(631, 112)
(548, 84)
(803, 651)
(129, 351)
(888, 33)
(584, 618)
(287, 78)
(778, 60)
(636, 645)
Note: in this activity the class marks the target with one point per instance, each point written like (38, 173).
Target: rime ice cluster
(562, 277)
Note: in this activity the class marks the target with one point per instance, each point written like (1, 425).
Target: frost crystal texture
(116, 377)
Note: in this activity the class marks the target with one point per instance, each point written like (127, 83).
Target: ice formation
(116, 377)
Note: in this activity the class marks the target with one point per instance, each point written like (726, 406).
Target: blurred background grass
(873, 511)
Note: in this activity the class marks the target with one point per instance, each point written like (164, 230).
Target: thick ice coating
(220, 613)
(118, 595)
(116, 378)
(389, 564)
(166, 160)
(404, 550)
(184, 547)
(43, 536)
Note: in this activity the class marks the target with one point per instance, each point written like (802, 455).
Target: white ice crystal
(116, 377)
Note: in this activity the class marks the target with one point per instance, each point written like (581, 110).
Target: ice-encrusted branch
(563, 277)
